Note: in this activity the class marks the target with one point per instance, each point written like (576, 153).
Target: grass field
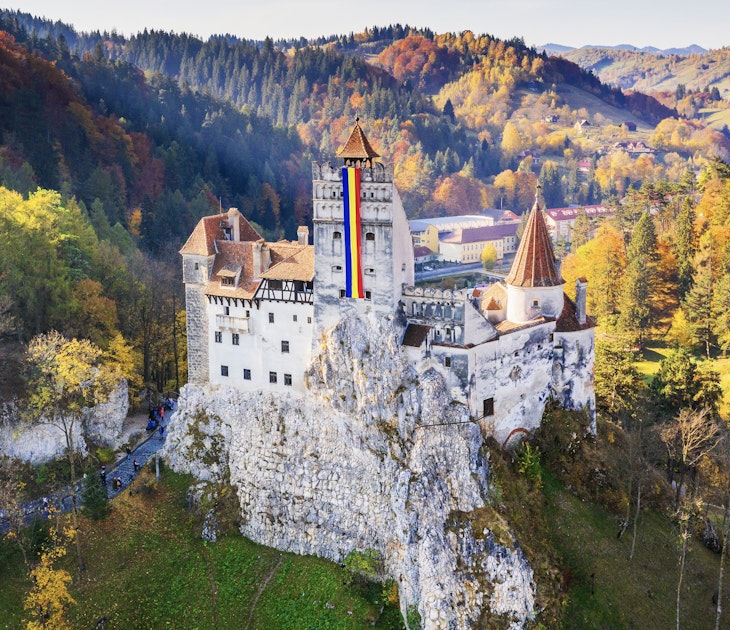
(146, 569)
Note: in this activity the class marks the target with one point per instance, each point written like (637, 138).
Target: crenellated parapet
(443, 310)
(376, 193)
(379, 173)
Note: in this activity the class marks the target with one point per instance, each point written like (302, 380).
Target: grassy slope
(146, 569)
(638, 594)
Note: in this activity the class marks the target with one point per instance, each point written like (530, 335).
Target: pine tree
(699, 301)
(635, 303)
(684, 247)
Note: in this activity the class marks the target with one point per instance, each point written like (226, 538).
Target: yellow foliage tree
(49, 598)
(601, 261)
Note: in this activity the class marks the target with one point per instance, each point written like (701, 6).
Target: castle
(256, 310)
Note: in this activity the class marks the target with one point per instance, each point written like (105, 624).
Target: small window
(246, 374)
(309, 320)
(447, 361)
(294, 318)
(248, 313)
(336, 268)
(369, 236)
(403, 267)
(488, 407)
(285, 346)
(235, 339)
(336, 236)
(271, 318)
(224, 370)
(218, 336)
(535, 303)
(287, 379)
(197, 266)
(551, 337)
(368, 295)
(272, 377)
(227, 310)
(342, 293)
(369, 271)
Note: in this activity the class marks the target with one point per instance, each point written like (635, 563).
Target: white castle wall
(350, 465)
(260, 349)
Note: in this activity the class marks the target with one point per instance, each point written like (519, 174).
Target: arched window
(369, 242)
(336, 236)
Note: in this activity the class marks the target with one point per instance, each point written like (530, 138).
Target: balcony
(235, 324)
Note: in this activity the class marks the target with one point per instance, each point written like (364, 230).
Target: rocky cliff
(375, 457)
(39, 441)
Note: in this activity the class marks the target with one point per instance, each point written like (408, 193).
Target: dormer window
(228, 281)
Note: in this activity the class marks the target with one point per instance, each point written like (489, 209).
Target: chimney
(581, 285)
(261, 258)
(303, 235)
(233, 222)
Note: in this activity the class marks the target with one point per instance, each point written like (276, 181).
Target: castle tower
(534, 284)
(362, 241)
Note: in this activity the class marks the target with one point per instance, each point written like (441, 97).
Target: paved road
(123, 468)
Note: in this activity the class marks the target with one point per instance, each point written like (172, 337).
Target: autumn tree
(601, 261)
(12, 496)
(49, 599)
(489, 257)
(65, 377)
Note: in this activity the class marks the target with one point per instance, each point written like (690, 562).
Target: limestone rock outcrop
(38, 442)
(375, 456)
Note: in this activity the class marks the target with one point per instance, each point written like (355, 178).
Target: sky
(660, 23)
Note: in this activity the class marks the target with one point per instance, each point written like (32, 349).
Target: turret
(534, 284)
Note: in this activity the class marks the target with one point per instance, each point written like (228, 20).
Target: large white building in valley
(257, 311)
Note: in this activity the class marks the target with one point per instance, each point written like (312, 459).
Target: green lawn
(651, 356)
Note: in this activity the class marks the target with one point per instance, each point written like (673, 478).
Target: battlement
(324, 171)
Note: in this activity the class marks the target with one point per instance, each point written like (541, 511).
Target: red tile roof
(534, 264)
(357, 146)
(568, 320)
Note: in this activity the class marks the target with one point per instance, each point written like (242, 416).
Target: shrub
(94, 497)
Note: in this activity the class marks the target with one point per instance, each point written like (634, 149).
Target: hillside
(434, 105)
(656, 72)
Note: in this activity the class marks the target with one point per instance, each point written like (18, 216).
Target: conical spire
(534, 264)
(357, 149)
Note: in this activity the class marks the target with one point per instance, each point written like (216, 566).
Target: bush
(368, 563)
(94, 497)
(528, 463)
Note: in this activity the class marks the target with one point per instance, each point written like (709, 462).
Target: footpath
(123, 469)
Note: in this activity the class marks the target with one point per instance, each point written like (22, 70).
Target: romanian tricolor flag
(353, 244)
